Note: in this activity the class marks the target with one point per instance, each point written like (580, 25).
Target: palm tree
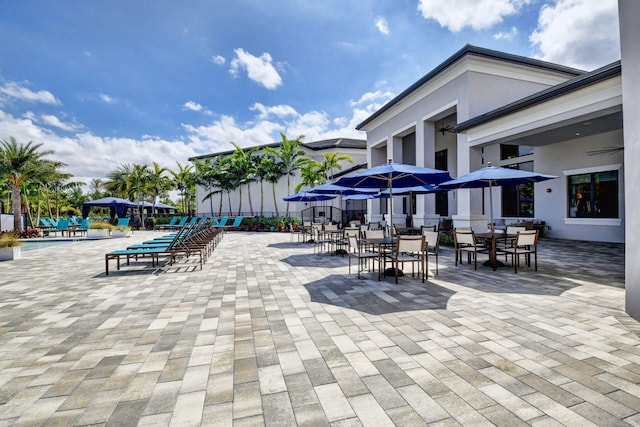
(243, 172)
(312, 174)
(263, 164)
(119, 183)
(184, 180)
(333, 161)
(96, 187)
(206, 177)
(290, 157)
(157, 184)
(19, 163)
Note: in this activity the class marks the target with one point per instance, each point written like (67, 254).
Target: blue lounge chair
(174, 221)
(171, 249)
(236, 223)
(62, 226)
(123, 222)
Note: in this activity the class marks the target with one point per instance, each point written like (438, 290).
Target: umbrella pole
(493, 227)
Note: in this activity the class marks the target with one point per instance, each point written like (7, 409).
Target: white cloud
(218, 59)
(275, 110)
(578, 33)
(54, 121)
(51, 121)
(373, 100)
(382, 26)
(506, 35)
(91, 156)
(477, 14)
(259, 69)
(107, 99)
(17, 91)
(193, 106)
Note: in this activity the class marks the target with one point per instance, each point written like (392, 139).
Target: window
(517, 200)
(593, 195)
(383, 205)
(513, 151)
(442, 198)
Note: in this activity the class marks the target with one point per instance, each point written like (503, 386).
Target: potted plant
(9, 247)
(121, 231)
(99, 230)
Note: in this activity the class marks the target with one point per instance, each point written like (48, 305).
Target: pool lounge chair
(172, 249)
(175, 226)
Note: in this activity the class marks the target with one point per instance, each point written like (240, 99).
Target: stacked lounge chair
(200, 238)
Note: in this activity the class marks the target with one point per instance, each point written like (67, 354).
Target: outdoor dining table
(381, 245)
(492, 238)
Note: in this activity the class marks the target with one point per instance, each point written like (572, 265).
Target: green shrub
(9, 240)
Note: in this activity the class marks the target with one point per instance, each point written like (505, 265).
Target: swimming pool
(31, 245)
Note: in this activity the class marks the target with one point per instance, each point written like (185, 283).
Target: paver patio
(267, 333)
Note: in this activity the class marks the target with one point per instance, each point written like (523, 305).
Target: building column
(469, 201)
(425, 157)
(629, 13)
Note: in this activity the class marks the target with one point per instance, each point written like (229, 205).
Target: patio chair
(123, 222)
(465, 241)
(410, 249)
(294, 231)
(363, 257)
(432, 239)
(526, 243)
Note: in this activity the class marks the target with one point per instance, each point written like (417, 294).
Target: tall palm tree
(243, 171)
(206, 177)
(184, 180)
(158, 183)
(263, 164)
(312, 174)
(18, 164)
(290, 157)
(333, 161)
(119, 182)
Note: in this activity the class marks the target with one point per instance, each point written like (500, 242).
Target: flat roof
(314, 146)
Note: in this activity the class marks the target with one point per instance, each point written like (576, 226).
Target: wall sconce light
(549, 190)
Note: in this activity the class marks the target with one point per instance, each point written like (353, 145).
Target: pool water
(30, 245)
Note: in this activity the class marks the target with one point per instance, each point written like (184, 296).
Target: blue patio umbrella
(366, 196)
(390, 175)
(306, 196)
(493, 176)
(418, 189)
(330, 188)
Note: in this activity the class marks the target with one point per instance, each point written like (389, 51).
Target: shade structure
(494, 176)
(161, 206)
(390, 175)
(120, 205)
(305, 196)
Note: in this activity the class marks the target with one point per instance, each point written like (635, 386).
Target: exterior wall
(269, 209)
(629, 13)
(477, 86)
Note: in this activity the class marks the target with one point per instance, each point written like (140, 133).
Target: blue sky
(102, 83)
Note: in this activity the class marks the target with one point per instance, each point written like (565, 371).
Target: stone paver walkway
(267, 333)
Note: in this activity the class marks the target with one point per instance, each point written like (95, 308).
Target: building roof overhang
(469, 50)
